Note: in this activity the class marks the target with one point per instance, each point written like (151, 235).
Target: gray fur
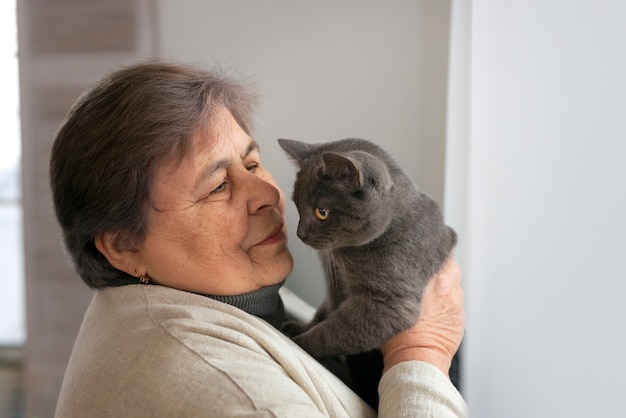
(382, 242)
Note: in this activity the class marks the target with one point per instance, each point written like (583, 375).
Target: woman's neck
(264, 303)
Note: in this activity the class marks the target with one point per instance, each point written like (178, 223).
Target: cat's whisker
(330, 274)
(302, 250)
(335, 268)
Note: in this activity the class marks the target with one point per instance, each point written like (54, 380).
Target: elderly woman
(167, 212)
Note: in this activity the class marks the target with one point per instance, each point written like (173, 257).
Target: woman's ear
(121, 257)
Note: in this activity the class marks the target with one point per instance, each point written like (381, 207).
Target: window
(12, 330)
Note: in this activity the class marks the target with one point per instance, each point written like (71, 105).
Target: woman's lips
(275, 236)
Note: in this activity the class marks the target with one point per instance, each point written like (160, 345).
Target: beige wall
(64, 46)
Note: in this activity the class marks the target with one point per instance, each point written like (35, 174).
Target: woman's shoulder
(157, 309)
(158, 301)
(146, 338)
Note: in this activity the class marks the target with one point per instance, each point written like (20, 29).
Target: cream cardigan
(152, 351)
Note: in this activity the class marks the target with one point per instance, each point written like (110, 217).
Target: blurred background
(509, 113)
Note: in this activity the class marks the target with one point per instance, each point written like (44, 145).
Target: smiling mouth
(275, 236)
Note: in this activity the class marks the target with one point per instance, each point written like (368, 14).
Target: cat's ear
(345, 170)
(297, 150)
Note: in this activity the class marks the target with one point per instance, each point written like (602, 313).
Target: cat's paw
(313, 346)
(293, 328)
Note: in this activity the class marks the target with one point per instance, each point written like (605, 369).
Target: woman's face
(217, 222)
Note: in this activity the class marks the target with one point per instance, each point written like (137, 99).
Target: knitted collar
(264, 303)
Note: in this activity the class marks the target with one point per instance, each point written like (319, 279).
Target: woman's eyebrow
(253, 146)
(210, 170)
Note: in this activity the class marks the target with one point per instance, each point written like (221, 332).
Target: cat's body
(380, 240)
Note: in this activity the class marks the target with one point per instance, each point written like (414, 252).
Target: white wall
(328, 70)
(546, 278)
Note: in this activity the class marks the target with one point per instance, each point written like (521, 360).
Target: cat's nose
(301, 233)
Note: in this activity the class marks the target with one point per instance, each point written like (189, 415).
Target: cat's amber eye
(322, 214)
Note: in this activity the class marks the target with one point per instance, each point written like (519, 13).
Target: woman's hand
(436, 336)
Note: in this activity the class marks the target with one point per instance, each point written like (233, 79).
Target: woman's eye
(252, 167)
(322, 214)
(220, 188)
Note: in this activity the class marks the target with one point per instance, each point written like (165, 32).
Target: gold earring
(145, 279)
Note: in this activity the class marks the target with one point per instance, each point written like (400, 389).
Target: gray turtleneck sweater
(264, 303)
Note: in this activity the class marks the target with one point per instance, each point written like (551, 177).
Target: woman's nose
(262, 194)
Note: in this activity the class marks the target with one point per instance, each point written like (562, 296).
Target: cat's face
(339, 196)
(329, 217)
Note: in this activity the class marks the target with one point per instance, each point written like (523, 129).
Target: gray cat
(379, 238)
